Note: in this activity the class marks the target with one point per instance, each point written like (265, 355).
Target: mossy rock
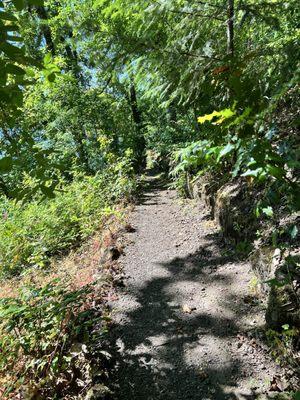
(283, 308)
(264, 261)
(205, 188)
(284, 297)
(234, 211)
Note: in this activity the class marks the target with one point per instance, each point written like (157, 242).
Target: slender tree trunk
(196, 115)
(230, 27)
(4, 189)
(136, 115)
(42, 13)
(81, 149)
(137, 119)
(172, 112)
(72, 56)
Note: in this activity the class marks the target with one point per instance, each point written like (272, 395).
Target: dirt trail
(181, 320)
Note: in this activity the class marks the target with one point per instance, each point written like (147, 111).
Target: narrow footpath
(187, 323)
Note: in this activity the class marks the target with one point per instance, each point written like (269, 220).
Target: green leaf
(276, 283)
(227, 113)
(268, 211)
(294, 232)
(14, 38)
(253, 172)
(296, 396)
(286, 327)
(38, 3)
(226, 150)
(48, 191)
(47, 59)
(6, 164)
(19, 4)
(208, 117)
(51, 77)
(14, 69)
(7, 17)
(11, 51)
(223, 114)
(275, 171)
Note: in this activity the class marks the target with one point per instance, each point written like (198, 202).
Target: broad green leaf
(12, 38)
(276, 171)
(223, 114)
(226, 150)
(51, 77)
(208, 117)
(47, 59)
(6, 164)
(276, 283)
(19, 4)
(38, 3)
(253, 172)
(268, 211)
(48, 191)
(7, 17)
(294, 232)
(11, 51)
(296, 396)
(14, 69)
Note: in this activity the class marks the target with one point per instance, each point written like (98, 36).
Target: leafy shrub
(284, 345)
(197, 155)
(30, 233)
(37, 331)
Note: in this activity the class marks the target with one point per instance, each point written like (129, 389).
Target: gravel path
(185, 321)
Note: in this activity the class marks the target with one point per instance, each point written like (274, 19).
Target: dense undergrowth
(31, 233)
(54, 321)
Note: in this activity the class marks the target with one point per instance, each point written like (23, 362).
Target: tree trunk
(42, 13)
(72, 57)
(81, 150)
(137, 119)
(4, 189)
(136, 115)
(172, 112)
(230, 27)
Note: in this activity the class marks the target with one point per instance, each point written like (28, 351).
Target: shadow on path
(157, 342)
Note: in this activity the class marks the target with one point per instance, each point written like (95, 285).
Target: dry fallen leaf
(276, 385)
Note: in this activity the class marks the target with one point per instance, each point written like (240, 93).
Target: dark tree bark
(72, 56)
(81, 150)
(42, 14)
(72, 59)
(137, 119)
(136, 115)
(4, 189)
(230, 27)
(172, 112)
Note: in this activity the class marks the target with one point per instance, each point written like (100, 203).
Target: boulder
(284, 297)
(98, 392)
(234, 211)
(204, 188)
